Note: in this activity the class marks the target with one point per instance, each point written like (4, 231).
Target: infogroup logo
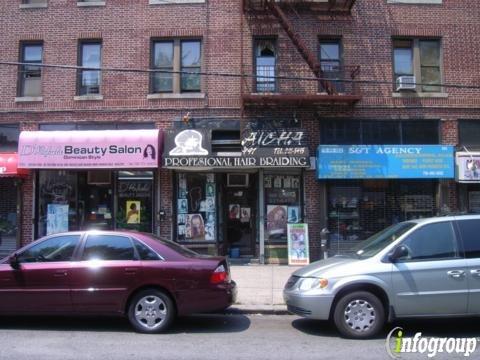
(396, 345)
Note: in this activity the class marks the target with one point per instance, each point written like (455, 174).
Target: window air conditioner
(406, 83)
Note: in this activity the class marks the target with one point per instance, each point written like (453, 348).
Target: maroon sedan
(114, 273)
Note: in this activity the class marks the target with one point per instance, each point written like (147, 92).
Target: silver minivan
(418, 268)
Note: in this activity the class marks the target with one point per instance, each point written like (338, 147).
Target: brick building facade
(263, 39)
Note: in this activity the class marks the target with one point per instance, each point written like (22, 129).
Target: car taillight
(219, 275)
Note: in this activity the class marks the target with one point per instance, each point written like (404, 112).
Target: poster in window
(298, 244)
(210, 190)
(181, 230)
(287, 182)
(234, 211)
(182, 184)
(194, 227)
(133, 212)
(245, 213)
(182, 206)
(295, 182)
(277, 182)
(276, 221)
(210, 204)
(181, 219)
(57, 218)
(210, 178)
(268, 182)
(293, 214)
(210, 231)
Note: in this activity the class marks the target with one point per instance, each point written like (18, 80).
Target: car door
(106, 273)
(41, 283)
(470, 232)
(432, 279)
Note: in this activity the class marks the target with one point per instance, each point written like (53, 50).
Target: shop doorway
(240, 213)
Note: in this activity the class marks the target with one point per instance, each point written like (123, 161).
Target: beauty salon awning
(102, 149)
(8, 165)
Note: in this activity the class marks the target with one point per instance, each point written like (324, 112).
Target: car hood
(318, 268)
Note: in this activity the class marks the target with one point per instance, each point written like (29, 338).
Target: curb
(253, 310)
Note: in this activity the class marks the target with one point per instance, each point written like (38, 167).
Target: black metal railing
(293, 80)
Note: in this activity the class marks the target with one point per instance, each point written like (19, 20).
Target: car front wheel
(359, 315)
(151, 311)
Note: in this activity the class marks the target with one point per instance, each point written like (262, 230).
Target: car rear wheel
(151, 311)
(359, 315)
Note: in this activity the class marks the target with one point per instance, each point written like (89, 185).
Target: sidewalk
(260, 288)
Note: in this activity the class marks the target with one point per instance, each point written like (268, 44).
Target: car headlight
(306, 284)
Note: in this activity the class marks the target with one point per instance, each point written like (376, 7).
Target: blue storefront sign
(385, 162)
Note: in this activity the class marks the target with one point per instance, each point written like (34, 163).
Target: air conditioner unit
(406, 83)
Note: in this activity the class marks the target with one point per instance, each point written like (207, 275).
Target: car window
(108, 247)
(145, 252)
(469, 230)
(433, 241)
(59, 248)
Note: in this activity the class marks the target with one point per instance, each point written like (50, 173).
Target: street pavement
(211, 336)
(260, 287)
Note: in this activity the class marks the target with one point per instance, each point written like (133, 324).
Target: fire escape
(334, 85)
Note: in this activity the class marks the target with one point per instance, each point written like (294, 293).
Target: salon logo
(397, 345)
(188, 142)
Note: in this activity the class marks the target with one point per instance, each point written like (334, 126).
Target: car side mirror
(398, 253)
(13, 261)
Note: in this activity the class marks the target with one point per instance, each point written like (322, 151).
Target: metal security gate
(359, 209)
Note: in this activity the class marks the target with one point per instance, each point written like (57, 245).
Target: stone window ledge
(170, 2)
(24, 99)
(33, 6)
(90, 3)
(88, 98)
(185, 96)
(419, 95)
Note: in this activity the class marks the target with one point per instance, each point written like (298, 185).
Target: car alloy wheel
(151, 311)
(359, 315)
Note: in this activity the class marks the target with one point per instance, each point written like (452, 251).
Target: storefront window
(135, 200)
(8, 216)
(358, 209)
(57, 202)
(196, 207)
(83, 200)
(283, 205)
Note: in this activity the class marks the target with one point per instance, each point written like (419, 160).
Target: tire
(359, 315)
(157, 317)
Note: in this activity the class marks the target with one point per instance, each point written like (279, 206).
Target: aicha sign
(192, 148)
(107, 149)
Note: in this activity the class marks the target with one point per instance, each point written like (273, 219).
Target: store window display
(196, 207)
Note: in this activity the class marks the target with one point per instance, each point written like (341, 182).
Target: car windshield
(174, 246)
(375, 243)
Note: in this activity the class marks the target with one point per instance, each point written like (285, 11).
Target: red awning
(8, 165)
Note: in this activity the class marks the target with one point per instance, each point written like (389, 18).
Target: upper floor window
(90, 57)
(331, 62)
(9, 134)
(179, 65)
(265, 65)
(419, 58)
(30, 76)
